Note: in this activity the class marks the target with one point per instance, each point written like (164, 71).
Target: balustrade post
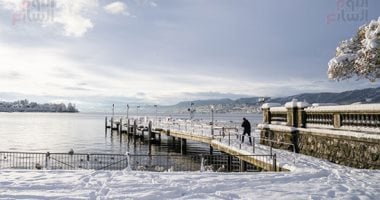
(337, 120)
(301, 118)
(295, 113)
(267, 115)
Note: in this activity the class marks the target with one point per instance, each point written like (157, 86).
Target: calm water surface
(59, 132)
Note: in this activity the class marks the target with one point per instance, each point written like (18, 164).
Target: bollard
(274, 162)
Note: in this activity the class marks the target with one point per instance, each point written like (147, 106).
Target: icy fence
(160, 163)
(365, 117)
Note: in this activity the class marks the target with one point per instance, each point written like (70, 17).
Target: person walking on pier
(247, 130)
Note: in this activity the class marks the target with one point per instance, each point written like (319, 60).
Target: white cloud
(116, 8)
(153, 4)
(72, 15)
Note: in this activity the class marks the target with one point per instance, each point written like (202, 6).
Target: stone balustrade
(362, 117)
(347, 135)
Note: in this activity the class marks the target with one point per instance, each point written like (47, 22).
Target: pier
(225, 139)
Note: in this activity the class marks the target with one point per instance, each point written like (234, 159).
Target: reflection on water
(59, 132)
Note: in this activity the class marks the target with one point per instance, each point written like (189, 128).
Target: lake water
(85, 133)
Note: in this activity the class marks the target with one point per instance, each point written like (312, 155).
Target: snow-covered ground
(310, 178)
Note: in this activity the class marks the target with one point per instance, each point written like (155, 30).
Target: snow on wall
(346, 108)
(296, 104)
(278, 109)
(269, 105)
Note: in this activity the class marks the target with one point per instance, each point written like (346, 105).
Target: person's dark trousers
(249, 136)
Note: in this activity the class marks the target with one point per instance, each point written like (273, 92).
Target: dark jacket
(247, 126)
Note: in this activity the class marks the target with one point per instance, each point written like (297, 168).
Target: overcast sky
(99, 52)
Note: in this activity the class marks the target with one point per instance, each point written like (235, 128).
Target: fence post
(111, 125)
(88, 161)
(243, 165)
(47, 158)
(121, 125)
(105, 127)
(149, 137)
(274, 162)
(202, 163)
(229, 138)
(253, 144)
(229, 164)
(134, 127)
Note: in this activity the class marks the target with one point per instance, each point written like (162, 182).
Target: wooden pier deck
(183, 135)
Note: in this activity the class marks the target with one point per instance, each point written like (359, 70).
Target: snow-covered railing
(136, 162)
(362, 117)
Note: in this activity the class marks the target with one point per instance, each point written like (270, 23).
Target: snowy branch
(358, 56)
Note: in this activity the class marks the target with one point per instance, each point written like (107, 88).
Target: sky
(98, 52)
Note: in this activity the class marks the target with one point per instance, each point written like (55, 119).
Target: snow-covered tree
(358, 56)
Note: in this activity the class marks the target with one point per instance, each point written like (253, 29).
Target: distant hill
(186, 104)
(252, 104)
(369, 95)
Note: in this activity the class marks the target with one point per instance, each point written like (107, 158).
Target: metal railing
(233, 139)
(160, 163)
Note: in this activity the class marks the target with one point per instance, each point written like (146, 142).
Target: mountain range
(368, 95)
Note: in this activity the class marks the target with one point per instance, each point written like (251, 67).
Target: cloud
(11, 75)
(153, 4)
(77, 88)
(116, 8)
(72, 17)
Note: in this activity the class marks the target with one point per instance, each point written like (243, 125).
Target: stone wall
(341, 149)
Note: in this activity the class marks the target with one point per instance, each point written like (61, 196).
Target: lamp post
(156, 114)
(113, 110)
(212, 120)
(127, 111)
(137, 110)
